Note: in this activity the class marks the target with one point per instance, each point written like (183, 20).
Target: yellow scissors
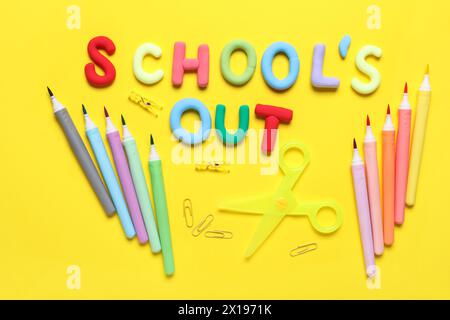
(274, 207)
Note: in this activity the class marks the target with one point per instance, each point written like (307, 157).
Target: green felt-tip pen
(162, 216)
(140, 185)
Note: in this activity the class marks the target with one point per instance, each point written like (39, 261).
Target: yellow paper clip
(213, 167)
(303, 249)
(146, 103)
(187, 213)
(203, 225)
(219, 234)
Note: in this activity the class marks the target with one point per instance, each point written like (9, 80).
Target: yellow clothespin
(212, 166)
(146, 103)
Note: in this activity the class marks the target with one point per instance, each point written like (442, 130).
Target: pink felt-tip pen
(388, 179)
(402, 157)
(362, 203)
(120, 160)
(373, 188)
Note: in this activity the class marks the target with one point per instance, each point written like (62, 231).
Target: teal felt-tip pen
(162, 215)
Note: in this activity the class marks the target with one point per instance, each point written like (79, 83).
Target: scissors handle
(293, 145)
(312, 209)
(293, 172)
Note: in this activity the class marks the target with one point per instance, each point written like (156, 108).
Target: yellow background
(50, 218)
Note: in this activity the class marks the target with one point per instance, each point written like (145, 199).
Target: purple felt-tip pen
(120, 160)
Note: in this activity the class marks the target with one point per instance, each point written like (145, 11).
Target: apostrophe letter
(273, 116)
(96, 44)
(181, 65)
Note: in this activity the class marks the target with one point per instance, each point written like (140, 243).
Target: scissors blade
(253, 205)
(268, 223)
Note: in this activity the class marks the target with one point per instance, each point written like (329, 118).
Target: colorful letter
(175, 121)
(139, 72)
(294, 66)
(318, 80)
(273, 116)
(239, 135)
(227, 73)
(200, 65)
(96, 44)
(369, 70)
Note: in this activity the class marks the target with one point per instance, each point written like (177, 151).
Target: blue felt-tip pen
(106, 168)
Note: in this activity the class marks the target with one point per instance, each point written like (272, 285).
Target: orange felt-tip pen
(373, 188)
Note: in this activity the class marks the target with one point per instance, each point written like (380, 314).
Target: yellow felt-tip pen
(420, 126)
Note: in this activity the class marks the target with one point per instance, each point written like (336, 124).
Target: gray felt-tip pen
(80, 151)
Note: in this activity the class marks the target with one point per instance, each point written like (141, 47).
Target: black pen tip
(106, 112)
(50, 92)
(84, 109)
(151, 140)
(123, 120)
(355, 146)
